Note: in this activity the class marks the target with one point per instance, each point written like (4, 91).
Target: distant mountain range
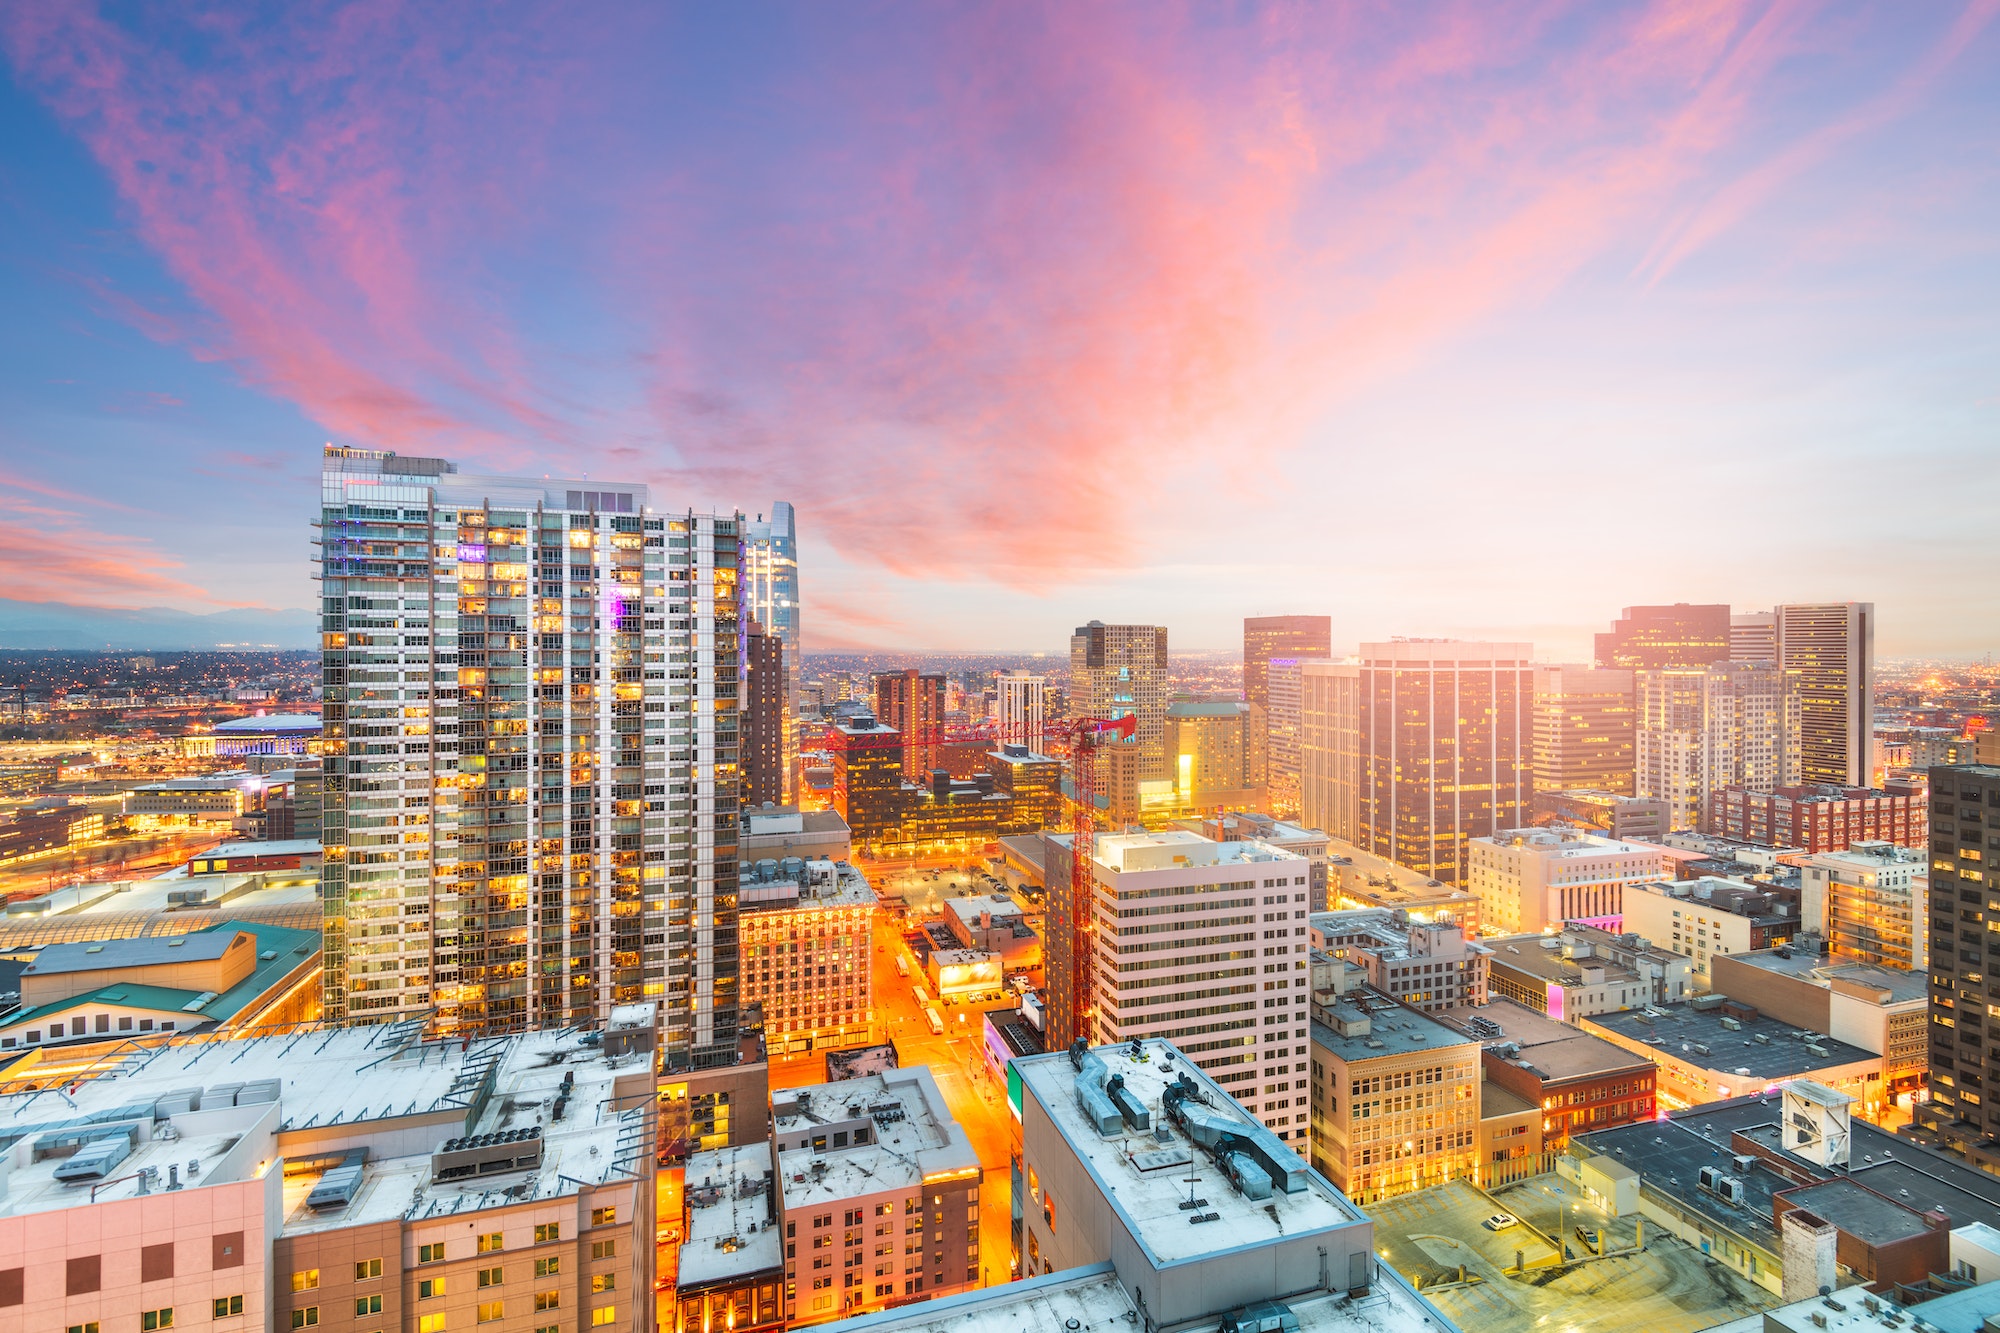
(47, 625)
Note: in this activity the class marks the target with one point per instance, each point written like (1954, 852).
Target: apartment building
(1204, 944)
(1395, 1094)
(1703, 729)
(1708, 918)
(351, 1178)
(531, 749)
(1963, 1113)
(807, 929)
(1819, 818)
(1534, 879)
(878, 1194)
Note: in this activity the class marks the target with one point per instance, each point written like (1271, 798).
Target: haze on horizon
(1487, 325)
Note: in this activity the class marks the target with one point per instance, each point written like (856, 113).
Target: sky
(1479, 319)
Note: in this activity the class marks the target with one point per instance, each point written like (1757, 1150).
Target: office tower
(1753, 636)
(912, 702)
(1702, 730)
(765, 717)
(1021, 701)
(511, 669)
(1963, 1113)
(771, 597)
(1656, 638)
(1831, 648)
(1584, 724)
(1269, 637)
(1443, 742)
(1119, 669)
(1215, 752)
(1213, 887)
(1283, 718)
(867, 775)
(1329, 747)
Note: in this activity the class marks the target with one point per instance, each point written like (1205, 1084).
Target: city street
(957, 1064)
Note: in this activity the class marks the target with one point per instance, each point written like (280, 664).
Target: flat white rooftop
(1150, 1175)
(911, 1137)
(731, 1231)
(1173, 849)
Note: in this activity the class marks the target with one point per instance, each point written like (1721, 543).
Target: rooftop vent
(337, 1188)
(493, 1154)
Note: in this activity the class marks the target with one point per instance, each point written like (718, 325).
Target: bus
(936, 1020)
(902, 966)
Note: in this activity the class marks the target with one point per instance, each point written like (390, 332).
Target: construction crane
(1083, 736)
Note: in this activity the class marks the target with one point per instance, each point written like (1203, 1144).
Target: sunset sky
(1481, 319)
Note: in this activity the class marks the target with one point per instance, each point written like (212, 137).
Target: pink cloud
(48, 555)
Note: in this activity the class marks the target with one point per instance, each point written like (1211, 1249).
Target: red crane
(1084, 736)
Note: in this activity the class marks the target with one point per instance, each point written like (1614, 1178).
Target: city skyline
(1006, 344)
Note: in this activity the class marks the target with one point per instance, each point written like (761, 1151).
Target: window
(430, 1287)
(603, 1217)
(164, 1318)
(83, 1328)
(490, 1311)
(490, 1277)
(548, 1300)
(604, 1249)
(600, 1282)
(602, 1315)
(368, 1304)
(430, 1323)
(365, 1269)
(489, 1243)
(306, 1318)
(226, 1306)
(547, 1231)
(305, 1279)
(430, 1254)
(548, 1267)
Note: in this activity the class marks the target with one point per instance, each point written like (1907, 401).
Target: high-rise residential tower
(531, 742)
(1830, 646)
(1443, 739)
(1268, 637)
(912, 702)
(1655, 638)
(1701, 730)
(1115, 670)
(1583, 729)
(771, 597)
(1021, 701)
(1963, 1113)
(764, 717)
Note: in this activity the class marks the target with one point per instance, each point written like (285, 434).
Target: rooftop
(381, 1088)
(1149, 1175)
(768, 884)
(1724, 895)
(731, 1230)
(1093, 1300)
(998, 905)
(280, 950)
(1859, 1210)
(1547, 1047)
(1760, 1048)
(280, 847)
(881, 1132)
(1566, 842)
(1543, 956)
(1175, 849)
(1898, 984)
(269, 724)
(1368, 1025)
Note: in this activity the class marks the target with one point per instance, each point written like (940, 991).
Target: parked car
(1500, 1222)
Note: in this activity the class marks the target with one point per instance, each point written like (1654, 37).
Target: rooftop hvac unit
(337, 1188)
(96, 1159)
(477, 1155)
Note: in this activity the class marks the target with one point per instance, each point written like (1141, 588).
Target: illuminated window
(305, 1279)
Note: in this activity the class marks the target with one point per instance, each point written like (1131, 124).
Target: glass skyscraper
(530, 732)
(771, 598)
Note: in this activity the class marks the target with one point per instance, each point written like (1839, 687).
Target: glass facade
(531, 743)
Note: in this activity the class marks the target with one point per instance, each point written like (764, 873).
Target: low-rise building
(1395, 1095)
(1510, 1136)
(349, 1178)
(878, 1195)
(1356, 877)
(730, 1272)
(1585, 970)
(960, 975)
(1708, 918)
(1788, 1189)
(805, 932)
(219, 798)
(779, 831)
(1715, 1048)
(1579, 1081)
(1626, 818)
(1535, 879)
(1429, 965)
(233, 977)
(1821, 818)
(1880, 1009)
(995, 923)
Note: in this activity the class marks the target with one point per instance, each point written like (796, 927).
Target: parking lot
(1668, 1287)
